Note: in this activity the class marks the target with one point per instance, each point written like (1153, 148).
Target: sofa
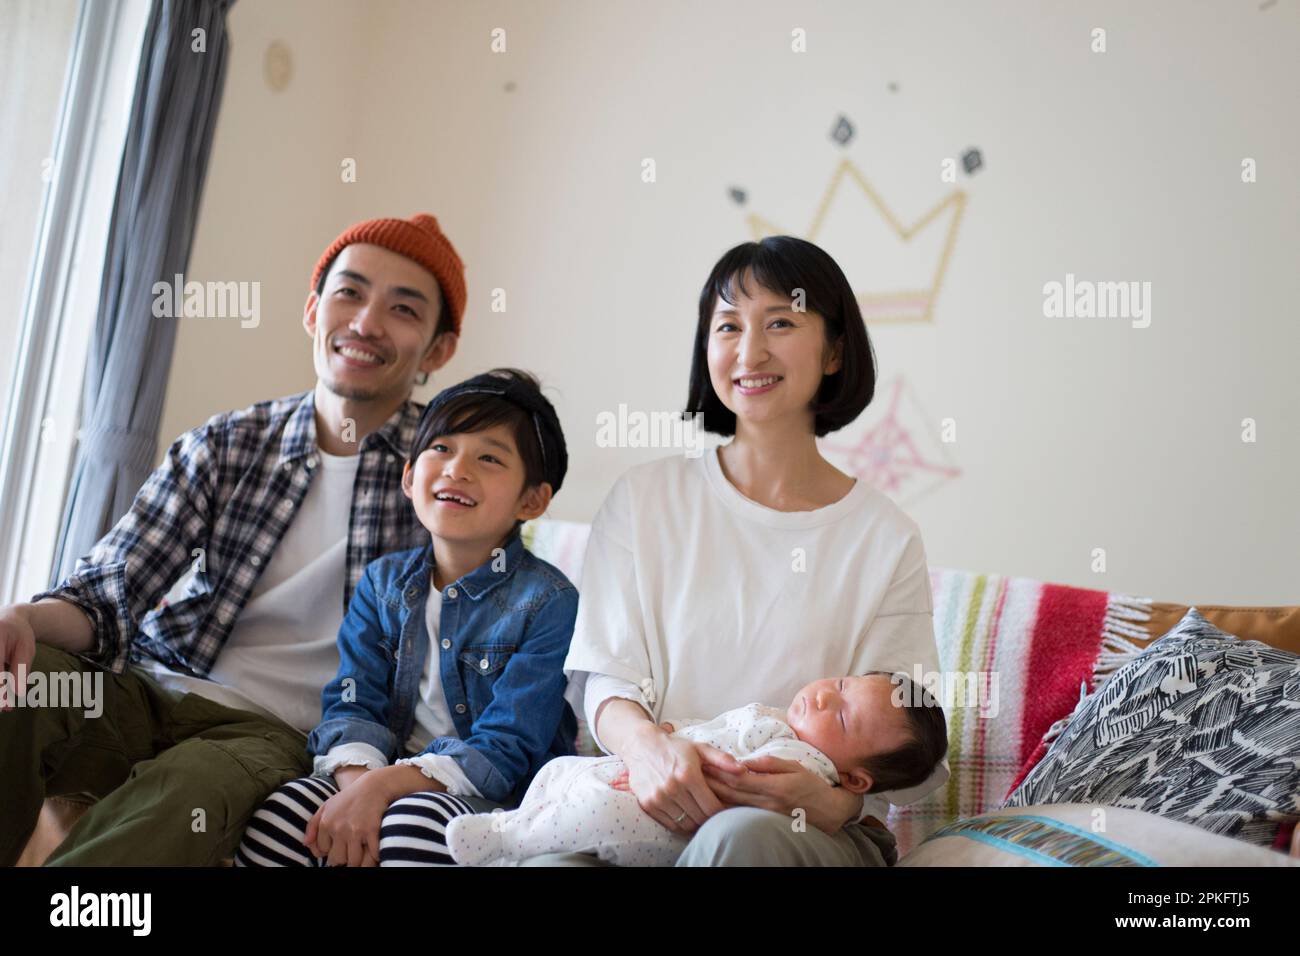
(1027, 655)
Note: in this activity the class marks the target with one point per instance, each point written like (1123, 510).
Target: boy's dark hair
(444, 308)
(476, 412)
(910, 764)
(783, 264)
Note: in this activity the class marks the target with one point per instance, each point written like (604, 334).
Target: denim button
(412, 592)
(460, 708)
(445, 643)
(451, 592)
(483, 664)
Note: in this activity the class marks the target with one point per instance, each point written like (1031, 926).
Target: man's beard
(356, 393)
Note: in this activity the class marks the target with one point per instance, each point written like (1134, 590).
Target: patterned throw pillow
(1200, 727)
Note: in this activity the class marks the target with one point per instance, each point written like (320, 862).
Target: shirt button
(451, 592)
(287, 502)
(445, 644)
(392, 457)
(255, 561)
(313, 461)
(288, 466)
(460, 708)
(483, 664)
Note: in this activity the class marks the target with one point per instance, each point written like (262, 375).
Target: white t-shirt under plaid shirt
(221, 501)
(704, 601)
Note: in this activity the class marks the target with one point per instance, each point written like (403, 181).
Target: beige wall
(1071, 434)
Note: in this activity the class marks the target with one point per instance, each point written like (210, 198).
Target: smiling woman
(797, 289)
(760, 561)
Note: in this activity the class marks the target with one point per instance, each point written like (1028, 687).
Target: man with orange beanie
(210, 611)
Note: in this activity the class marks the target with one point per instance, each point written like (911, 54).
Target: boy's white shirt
(432, 720)
(695, 614)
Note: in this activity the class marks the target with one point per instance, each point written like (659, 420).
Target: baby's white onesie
(571, 807)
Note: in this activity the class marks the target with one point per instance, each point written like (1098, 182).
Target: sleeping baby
(860, 733)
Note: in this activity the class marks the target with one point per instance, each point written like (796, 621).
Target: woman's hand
(665, 773)
(345, 830)
(785, 787)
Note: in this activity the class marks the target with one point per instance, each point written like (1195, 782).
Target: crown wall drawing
(886, 305)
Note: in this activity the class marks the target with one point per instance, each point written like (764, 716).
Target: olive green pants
(175, 776)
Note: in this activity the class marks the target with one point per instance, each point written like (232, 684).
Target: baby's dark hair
(910, 764)
(478, 411)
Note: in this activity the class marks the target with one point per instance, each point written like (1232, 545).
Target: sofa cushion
(1200, 727)
(1074, 834)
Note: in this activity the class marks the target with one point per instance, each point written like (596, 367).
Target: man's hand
(785, 787)
(17, 648)
(345, 830)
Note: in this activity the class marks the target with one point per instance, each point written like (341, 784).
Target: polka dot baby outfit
(571, 807)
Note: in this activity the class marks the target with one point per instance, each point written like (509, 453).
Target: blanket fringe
(1125, 621)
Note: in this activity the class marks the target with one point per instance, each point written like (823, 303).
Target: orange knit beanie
(420, 240)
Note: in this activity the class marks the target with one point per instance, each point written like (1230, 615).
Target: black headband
(550, 437)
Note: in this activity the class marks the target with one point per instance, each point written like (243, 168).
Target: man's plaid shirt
(220, 503)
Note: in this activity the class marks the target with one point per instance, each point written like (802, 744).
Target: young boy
(450, 692)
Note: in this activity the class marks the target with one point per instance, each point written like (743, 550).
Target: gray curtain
(177, 96)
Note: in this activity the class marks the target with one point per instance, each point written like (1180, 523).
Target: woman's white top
(704, 600)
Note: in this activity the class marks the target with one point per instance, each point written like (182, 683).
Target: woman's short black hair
(444, 310)
(783, 264)
(476, 412)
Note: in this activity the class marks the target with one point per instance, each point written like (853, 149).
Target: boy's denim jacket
(504, 634)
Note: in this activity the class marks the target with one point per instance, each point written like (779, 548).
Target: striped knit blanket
(1033, 648)
(1015, 656)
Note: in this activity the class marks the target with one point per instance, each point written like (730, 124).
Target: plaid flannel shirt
(220, 504)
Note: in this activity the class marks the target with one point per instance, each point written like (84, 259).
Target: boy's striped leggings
(412, 833)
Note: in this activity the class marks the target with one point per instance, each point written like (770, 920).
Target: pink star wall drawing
(899, 452)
